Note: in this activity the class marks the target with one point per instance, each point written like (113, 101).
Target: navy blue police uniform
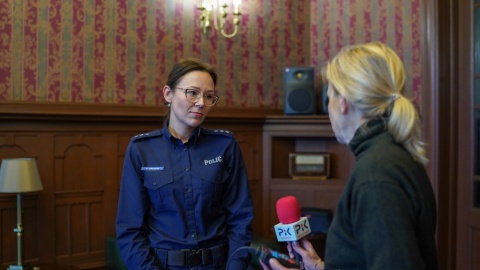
(184, 205)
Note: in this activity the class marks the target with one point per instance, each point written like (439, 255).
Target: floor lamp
(19, 175)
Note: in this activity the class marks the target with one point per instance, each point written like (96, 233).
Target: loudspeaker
(325, 99)
(299, 85)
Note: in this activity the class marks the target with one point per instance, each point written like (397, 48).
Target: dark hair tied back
(188, 65)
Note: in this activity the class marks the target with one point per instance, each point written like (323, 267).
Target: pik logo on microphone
(292, 231)
(283, 232)
(303, 227)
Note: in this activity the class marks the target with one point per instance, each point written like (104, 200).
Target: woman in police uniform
(184, 199)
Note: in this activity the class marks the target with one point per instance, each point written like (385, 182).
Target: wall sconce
(19, 175)
(219, 10)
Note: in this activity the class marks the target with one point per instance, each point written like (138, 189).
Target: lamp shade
(18, 175)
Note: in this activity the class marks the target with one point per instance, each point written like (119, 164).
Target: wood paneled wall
(79, 150)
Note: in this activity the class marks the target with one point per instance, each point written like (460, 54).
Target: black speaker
(324, 99)
(299, 91)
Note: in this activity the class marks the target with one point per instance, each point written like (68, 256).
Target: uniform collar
(175, 141)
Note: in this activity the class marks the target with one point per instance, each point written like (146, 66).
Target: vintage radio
(309, 166)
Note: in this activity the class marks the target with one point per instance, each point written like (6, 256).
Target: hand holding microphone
(311, 261)
(292, 227)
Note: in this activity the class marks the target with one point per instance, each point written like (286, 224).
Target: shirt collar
(175, 141)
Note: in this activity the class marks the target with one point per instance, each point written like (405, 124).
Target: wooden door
(468, 218)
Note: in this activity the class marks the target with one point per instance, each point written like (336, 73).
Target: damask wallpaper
(119, 52)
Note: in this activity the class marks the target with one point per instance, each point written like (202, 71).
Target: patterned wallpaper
(120, 51)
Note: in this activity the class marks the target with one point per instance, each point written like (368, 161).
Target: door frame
(440, 117)
(468, 217)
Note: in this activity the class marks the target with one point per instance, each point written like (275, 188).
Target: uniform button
(188, 190)
(187, 169)
(192, 236)
(154, 183)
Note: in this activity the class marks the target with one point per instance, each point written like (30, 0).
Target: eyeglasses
(194, 95)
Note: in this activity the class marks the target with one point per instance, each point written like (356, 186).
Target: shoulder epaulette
(150, 134)
(217, 132)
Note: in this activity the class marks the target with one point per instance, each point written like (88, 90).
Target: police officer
(184, 199)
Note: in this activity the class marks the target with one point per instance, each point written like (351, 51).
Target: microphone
(292, 227)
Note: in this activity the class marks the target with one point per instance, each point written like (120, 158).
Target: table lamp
(19, 175)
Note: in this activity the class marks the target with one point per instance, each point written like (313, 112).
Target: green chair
(113, 258)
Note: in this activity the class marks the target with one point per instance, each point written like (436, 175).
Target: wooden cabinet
(283, 135)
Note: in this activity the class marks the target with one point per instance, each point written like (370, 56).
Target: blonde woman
(386, 215)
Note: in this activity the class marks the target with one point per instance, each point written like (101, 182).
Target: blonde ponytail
(372, 77)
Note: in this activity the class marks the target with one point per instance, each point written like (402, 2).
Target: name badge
(153, 168)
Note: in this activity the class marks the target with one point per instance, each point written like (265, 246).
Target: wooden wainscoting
(79, 150)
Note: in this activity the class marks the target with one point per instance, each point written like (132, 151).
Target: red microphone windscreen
(288, 210)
